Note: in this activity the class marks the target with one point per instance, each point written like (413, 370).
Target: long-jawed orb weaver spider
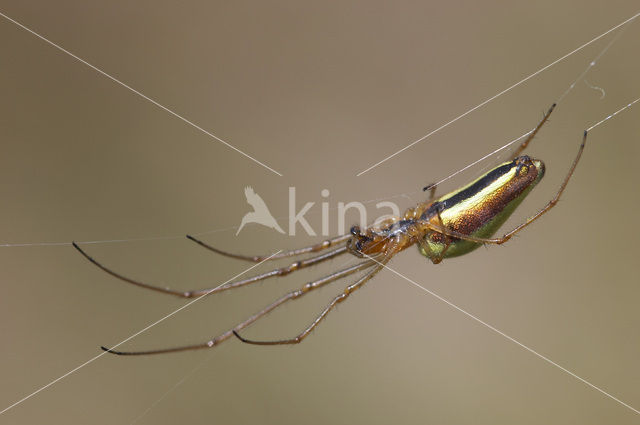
(452, 225)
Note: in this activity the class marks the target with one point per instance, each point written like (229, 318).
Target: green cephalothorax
(480, 208)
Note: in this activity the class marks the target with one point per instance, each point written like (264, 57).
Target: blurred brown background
(318, 91)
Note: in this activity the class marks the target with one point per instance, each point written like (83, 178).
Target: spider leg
(379, 265)
(431, 187)
(447, 244)
(258, 258)
(310, 286)
(531, 135)
(199, 292)
(541, 212)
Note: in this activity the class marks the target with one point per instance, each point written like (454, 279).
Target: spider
(452, 225)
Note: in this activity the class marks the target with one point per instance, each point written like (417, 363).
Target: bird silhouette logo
(260, 213)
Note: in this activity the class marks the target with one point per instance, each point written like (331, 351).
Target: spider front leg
(379, 265)
(258, 258)
(290, 296)
(297, 265)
